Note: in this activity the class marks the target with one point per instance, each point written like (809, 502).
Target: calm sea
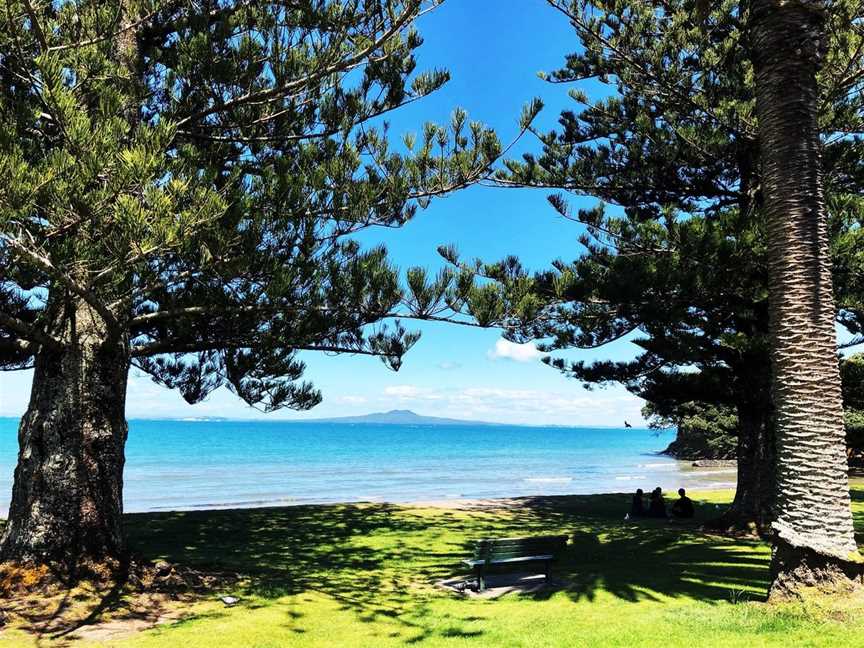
(190, 464)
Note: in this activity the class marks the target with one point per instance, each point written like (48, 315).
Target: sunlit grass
(364, 576)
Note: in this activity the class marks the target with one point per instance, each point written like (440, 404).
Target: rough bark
(813, 504)
(752, 510)
(67, 496)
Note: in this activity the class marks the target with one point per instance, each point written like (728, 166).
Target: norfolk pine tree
(677, 148)
(814, 539)
(180, 183)
(754, 107)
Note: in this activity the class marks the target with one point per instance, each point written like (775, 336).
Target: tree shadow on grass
(354, 554)
(857, 495)
(650, 559)
(378, 560)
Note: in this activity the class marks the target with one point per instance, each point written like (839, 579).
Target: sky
(493, 50)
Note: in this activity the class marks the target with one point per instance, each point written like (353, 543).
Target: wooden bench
(504, 551)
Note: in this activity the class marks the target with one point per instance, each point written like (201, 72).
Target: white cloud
(511, 351)
(481, 398)
(402, 391)
(449, 366)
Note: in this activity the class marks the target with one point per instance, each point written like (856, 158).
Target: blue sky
(493, 50)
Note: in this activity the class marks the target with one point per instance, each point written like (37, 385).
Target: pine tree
(675, 147)
(181, 181)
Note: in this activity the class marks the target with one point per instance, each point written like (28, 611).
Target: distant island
(399, 417)
(391, 417)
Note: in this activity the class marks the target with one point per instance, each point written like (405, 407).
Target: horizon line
(224, 419)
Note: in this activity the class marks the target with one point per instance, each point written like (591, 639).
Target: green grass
(363, 576)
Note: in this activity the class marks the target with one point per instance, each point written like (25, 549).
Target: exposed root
(736, 524)
(109, 603)
(798, 573)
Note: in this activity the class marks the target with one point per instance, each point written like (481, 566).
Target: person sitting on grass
(683, 508)
(657, 507)
(637, 506)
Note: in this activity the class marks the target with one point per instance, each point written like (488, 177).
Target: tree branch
(158, 348)
(206, 312)
(105, 37)
(16, 345)
(49, 268)
(34, 23)
(280, 91)
(28, 331)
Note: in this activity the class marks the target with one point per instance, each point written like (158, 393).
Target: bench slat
(523, 538)
(498, 551)
(498, 561)
(493, 550)
(507, 548)
(527, 540)
(523, 545)
(505, 555)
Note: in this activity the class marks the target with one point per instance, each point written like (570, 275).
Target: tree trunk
(814, 540)
(67, 497)
(752, 510)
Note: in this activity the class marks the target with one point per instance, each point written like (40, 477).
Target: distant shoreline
(462, 423)
(454, 504)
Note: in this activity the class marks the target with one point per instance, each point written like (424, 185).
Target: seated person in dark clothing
(683, 508)
(637, 506)
(657, 507)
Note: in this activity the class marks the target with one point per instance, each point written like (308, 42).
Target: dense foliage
(702, 431)
(674, 257)
(192, 172)
(682, 269)
(181, 183)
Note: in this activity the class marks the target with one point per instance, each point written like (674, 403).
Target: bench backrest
(504, 548)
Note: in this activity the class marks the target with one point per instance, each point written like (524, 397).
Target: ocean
(175, 465)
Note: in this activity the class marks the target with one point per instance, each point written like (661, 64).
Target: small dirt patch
(136, 598)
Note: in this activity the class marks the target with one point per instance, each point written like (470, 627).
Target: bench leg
(481, 580)
(548, 569)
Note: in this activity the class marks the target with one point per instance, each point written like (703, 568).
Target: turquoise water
(174, 465)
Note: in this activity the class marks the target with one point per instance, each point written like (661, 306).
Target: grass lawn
(362, 575)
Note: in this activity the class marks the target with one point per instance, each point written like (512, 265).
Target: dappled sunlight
(366, 574)
(380, 561)
(857, 493)
(648, 559)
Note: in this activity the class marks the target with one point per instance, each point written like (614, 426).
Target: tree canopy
(193, 173)
(182, 183)
(674, 257)
(678, 263)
